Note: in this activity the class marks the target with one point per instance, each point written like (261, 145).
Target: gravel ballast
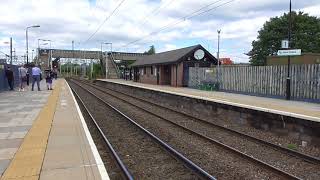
(214, 159)
(144, 158)
(277, 158)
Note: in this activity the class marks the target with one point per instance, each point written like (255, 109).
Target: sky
(138, 24)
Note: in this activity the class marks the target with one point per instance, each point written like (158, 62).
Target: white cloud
(63, 21)
(313, 10)
(168, 47)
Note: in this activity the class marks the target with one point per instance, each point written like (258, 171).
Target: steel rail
(306, 157)
(114, 153)
(202, 173)
(255, 160)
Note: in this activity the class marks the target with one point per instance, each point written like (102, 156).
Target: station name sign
(289, 52)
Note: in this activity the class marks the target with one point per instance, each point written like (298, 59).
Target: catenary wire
(189, 16)
(105, 20)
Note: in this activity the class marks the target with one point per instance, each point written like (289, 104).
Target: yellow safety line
(27, 161)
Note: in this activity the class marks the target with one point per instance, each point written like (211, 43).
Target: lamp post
(34, 26)
(39, 45)
(106, 58)
(288, 84)
(106, 44)
(50, 55)
(10, 49)
(32, 54)
(38, 58)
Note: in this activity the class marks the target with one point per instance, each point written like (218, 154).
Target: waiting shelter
(171, 67)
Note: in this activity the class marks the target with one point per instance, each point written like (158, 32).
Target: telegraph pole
(27, 47)
(11, 51)
(288, 84)
(218, 56)
(15, 55)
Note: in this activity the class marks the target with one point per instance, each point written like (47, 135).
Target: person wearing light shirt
(36, 73)
(22, 77)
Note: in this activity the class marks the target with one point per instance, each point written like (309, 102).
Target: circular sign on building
(199, 54)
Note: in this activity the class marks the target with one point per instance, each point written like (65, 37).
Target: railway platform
(44, 136)
(295, 109)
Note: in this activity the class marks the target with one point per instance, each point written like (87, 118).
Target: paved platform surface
(18, 110)
(43, 136)
(298, 109)
(70, 155)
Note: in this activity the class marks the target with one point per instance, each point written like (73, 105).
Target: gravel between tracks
(279, 159)
(111, 166)
(144, 158)
(223, 164)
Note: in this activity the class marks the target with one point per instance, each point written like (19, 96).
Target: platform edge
(257, 108)
(102, 170)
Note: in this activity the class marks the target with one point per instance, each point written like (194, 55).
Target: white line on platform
(102, 169)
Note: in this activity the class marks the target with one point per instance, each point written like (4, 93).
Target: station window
(145, 70)
(142, 71)
(151, 67)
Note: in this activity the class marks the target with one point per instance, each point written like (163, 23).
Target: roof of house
(167, 57)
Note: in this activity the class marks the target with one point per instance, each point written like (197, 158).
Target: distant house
(225, 61)
(305, 58)
(171, 67)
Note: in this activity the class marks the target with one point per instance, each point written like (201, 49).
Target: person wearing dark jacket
(10, 78)
(49, 77)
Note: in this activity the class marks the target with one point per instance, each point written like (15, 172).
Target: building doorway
(166, 75)
(158, 74)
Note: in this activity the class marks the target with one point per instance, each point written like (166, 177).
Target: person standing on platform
(10, 78)
(36, 75)
(28, 76)
(22, 77)
(55, 74)
(49, 77)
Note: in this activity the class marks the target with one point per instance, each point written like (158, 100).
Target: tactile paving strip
(27, 162)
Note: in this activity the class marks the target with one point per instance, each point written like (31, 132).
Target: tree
(305, 35)
(152, 50)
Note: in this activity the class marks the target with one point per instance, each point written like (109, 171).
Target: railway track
(218, 142)
(218, 128)
(146, 156)
(305, 157)
(121, 168)
(293, 162)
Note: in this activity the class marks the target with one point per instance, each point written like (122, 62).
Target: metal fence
(260, 80)
(3, 80)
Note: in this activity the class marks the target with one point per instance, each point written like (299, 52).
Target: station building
(171, 67)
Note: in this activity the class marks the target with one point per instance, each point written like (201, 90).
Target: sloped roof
(165, 57)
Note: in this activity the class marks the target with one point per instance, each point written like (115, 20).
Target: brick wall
(147, 77)
(167, 75)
